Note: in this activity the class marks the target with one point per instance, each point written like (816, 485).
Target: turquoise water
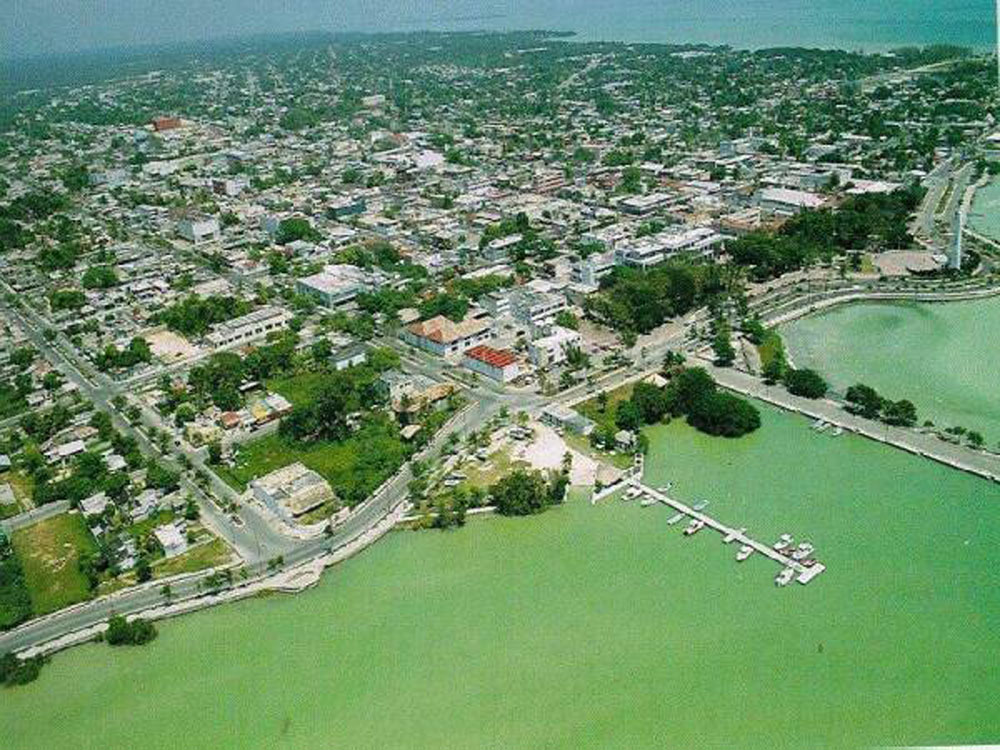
(850, 24)
(596, 627)
(942, 357)
(984, 215)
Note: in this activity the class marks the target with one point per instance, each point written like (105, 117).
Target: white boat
(675, 519)
(702, 505)
(822, 427)
(745, 551)
(803, 551)
(631, 493)
(837, 431)
(783, 543)
(784, 577)
(647, 501)
(819, 424)
(694, 527)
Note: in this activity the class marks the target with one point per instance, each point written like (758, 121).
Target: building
(662, 247)
(248, 327)
(499, 365)
(339, 284)
(345, 206)
(551, 350)
(292, 491)
(643, 205)
(564, 418)
(532, 307)
(497, 304)
(593, 268)
(172, 539)
(788, 202)
(348, 355)
(444, 337)
(499, 249)
(161, 124)
(199, 230)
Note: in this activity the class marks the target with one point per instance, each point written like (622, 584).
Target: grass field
(301, 388)
(22, 486)
(771, 347)
(196, 558)
(354, 467)
(606, 417)
(49, 552)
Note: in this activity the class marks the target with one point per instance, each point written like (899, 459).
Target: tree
(900, 413)
(628, 416)
(725, 354)
(806, 383)
(651, 402)
(215, 453)
(521, 493)
(864, 401)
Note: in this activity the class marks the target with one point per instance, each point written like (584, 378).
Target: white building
(496, 364)
(292, 491)
(662, 247)
(338, 284)
(593, 268)
(199, 230)
(172, 539)
(249, 327)
(531, 307)
(444, 337)
(786, 201)
(551, 350)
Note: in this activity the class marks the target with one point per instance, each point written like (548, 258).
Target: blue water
(37, 26)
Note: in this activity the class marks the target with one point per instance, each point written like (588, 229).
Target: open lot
(354, 467)
(49, 552)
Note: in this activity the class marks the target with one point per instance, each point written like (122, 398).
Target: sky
(34, 27)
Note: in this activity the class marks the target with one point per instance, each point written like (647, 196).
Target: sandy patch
(546, 451)
(169, 346)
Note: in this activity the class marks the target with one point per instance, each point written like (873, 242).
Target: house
(4, 462)
(6, 495)
(499, 365)
(348, 355)
(624, 440)
(444, 337)
(499, 249)
(172, 539)
(94, 505)
(565, 418)
(292, 491)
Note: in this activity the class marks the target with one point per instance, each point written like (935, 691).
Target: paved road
(252, 536)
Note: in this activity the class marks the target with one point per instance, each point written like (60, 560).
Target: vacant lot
(605, 416)
(300, 389)
(354, 467)
(49, 552)
(199, 557)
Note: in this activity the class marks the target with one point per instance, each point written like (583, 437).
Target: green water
(984, 215)
(942, 357)
(595, 627)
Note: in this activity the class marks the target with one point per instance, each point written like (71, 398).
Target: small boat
(822, 427)
(745, 551)
(702, 505)
(837, 431)
(783, 543)
(665, 488)
(675, 519)
(819, 424)
(809, 562)
(647, 501)
(694, 527)
(784, 577)
(631, 493)
(803, 551)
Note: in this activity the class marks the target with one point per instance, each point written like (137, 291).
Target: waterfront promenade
(927, 445)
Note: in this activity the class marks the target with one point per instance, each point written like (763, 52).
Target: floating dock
(803, 573)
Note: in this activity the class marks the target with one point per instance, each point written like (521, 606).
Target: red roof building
(498, 364)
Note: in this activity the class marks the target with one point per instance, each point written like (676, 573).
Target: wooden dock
(804, 573)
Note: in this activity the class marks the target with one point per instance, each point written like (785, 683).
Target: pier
(803, 573)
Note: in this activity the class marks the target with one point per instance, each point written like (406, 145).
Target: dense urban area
(262, 302)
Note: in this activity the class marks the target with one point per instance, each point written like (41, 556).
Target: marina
(796, 562)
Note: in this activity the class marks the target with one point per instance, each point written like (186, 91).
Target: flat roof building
(292, 491)
(249, 327)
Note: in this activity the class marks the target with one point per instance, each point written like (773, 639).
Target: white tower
(958, 224)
